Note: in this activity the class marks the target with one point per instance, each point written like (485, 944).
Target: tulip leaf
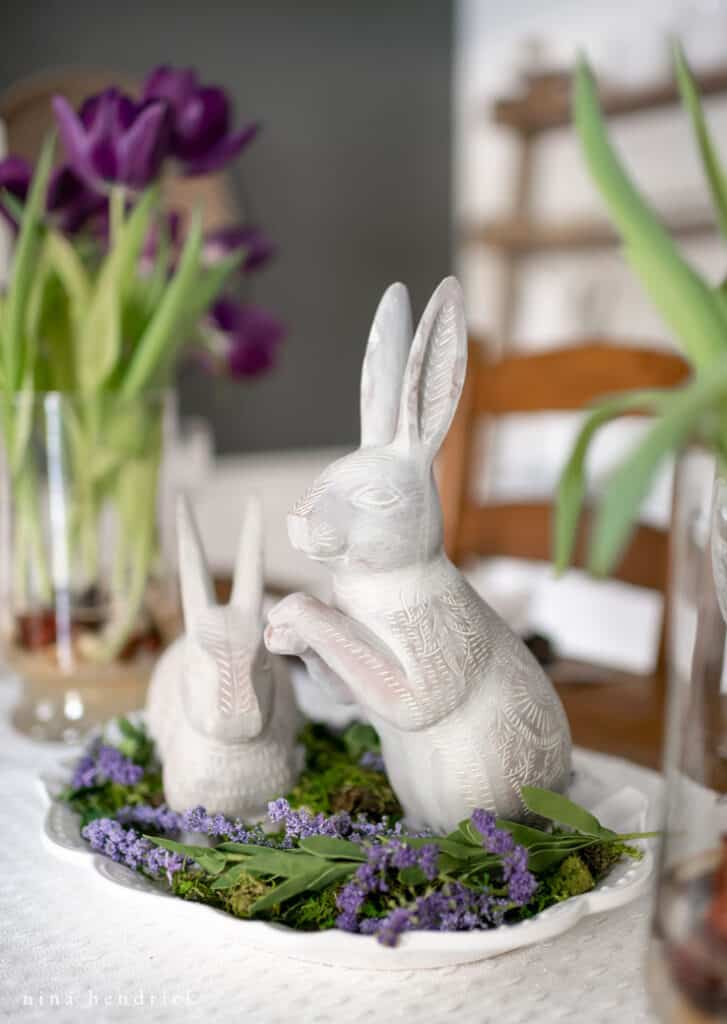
(157, 342)
(571, 490)
(686, 302)
(710, 159)
(23, 270)
(99, 343)
(629, 484)
(64, 259)
(210, 284)
(12, 204)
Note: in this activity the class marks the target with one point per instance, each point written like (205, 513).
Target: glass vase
(687, 968)
(88, 603)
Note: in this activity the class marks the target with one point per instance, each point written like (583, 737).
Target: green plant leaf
(23, 270)
(412, 876)
(332, 848)
(467, 833)
(525, 835)
(359, 739)
(571, 491)
(282, 863)
(629, 484)
(208, 859)
(684, 299)
(64, 259)
(210, 283)
(158, 341)
(12, 205)
(710, 159)
(99, 342)
(556, 807)
(543, 860)
(287, 890)
(231, 876)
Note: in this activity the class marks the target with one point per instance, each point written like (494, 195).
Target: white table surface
(75, 948)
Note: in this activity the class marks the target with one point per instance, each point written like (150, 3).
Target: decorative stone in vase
(465, 714)
(221, 710)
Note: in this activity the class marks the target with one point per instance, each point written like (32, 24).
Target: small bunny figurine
(220, 709)
(465, 714)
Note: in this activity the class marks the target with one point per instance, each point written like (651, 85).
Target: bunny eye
(375, 496)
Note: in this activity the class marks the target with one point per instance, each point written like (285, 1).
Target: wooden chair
(613, 712)
(26, 113)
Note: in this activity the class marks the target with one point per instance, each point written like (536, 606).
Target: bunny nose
(298, 531)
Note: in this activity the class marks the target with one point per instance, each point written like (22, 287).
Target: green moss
(601, 857)
(571, 877)
(192, 885)
(333, 781)
(313, 912)
(240, 899)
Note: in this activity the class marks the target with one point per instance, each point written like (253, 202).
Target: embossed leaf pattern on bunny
(465, 713)
(220, 709)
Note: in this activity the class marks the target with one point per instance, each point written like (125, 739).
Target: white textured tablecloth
(75, 948)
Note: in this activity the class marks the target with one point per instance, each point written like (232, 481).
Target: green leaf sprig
(318, 862)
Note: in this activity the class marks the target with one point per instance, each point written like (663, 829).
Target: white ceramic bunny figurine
(465, 714)
(221, 709)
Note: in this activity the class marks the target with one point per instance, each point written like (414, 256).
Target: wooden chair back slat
(567, 379)
(525, 531)
(562, 379)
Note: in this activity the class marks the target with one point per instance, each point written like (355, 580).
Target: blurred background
(404, 142)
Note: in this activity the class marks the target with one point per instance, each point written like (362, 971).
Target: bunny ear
(196, 583)
(383, 367)
(247, 589)
(435, 370)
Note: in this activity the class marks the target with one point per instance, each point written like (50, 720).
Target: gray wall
(351, 176)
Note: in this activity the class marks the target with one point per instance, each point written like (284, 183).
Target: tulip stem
(117, 201)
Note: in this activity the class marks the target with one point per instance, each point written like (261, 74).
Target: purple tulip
(201, 137)
(15, 175)
(250, 337)
(150, 249)
(220, 243)
(69, 202)
(114, 140)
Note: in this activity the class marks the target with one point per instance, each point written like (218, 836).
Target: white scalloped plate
(623, 811)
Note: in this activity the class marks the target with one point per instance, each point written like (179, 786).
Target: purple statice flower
(127, 846)
(453, 907)
(103, 763)
(495, 840)
(246, 338)
(69, 202)
(162, 819)
(202, 139)
(372, 760)
(115, 140)
(196, 819)
(223, 241)
(84, 774)
(383, 861)
(299, 824)
(521, 883)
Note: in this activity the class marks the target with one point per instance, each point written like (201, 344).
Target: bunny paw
(291, 608)
(284, 640)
